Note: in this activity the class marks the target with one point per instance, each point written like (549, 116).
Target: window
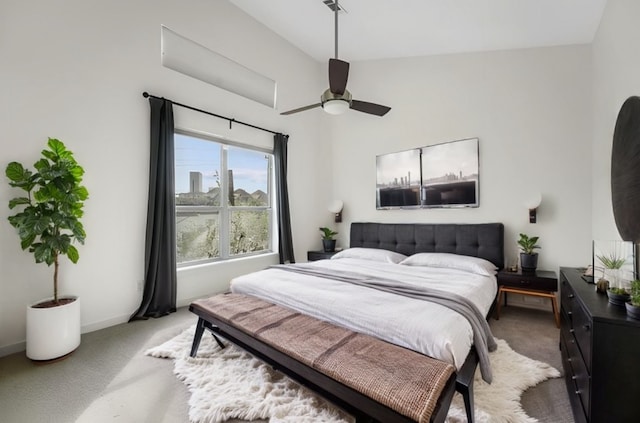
(223, 199)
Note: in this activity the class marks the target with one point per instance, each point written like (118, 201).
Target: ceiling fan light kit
(335, 104)
(337, 100)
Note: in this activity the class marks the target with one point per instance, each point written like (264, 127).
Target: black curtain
(285, 240)
(159, 296)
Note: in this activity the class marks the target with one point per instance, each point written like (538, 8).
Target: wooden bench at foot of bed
(370, 379)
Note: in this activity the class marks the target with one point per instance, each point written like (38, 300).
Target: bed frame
(484, 240)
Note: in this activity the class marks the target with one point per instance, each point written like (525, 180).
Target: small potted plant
(48, 221)
(328, 241)
(528, 257)
(617, 294)
(633, 305)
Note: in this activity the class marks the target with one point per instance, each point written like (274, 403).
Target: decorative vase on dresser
(600, 349)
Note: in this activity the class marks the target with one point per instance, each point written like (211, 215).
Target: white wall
(529, 108)
(76, 70)
(616, 76)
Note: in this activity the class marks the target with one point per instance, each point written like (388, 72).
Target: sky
(454, 157)
(198, 155)
(390, 168)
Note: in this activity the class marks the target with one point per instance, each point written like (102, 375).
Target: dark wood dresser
(600, 349)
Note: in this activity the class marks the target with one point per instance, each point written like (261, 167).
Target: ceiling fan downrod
(335, 11)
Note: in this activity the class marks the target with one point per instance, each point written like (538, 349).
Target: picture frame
(450, 174)
(398, 179)
(443, 175)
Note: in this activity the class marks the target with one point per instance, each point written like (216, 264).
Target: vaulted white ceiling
(376, 29)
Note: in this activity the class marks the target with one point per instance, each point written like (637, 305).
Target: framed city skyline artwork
(444, 175)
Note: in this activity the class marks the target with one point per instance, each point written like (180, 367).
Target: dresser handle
(586, 327)
(574, 377)
(572, 330)
(569, 313)
(571, 295)
(578, 392)
(569, 359)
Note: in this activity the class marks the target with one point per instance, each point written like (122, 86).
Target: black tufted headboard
(485, 240)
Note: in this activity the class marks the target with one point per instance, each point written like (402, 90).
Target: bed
(393, 318)
(399, 261)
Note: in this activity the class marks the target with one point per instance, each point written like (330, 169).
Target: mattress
(422, 326)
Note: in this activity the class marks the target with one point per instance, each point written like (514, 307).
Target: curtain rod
(231, 120)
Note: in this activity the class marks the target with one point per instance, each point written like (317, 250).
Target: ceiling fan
(337, 99)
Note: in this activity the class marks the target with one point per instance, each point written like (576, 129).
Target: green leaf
(18, 201)
(72, 253)
(27, 241)
(16, 172)
(43, 254)
(43, 166)
(81, 192)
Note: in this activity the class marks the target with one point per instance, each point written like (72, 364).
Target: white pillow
(374, 254)
(452, 261)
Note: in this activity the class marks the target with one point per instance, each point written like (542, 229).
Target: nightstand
(319, 255)
(541, 283)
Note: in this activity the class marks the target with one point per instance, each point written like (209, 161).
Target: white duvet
(428, 328)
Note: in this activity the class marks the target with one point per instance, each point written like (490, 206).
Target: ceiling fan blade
(301, 109)
(371, 108)
(338, 75)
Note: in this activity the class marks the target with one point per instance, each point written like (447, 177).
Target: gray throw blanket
(482, 336)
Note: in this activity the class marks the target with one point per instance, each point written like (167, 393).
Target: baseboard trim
(103, 324)
(13, 348)
(91, 327)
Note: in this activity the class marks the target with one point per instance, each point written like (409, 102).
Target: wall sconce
(532, 205)
(336, 208)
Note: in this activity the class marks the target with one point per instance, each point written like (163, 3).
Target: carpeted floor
(108, 379)
(244, 387)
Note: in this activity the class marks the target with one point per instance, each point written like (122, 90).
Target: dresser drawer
(576, 392)
(567, 295)
(528, 281)
(582, 331)
(579, 323)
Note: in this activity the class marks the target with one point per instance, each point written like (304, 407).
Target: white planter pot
(53, 332)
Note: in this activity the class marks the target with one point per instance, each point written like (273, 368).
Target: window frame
(224, 209)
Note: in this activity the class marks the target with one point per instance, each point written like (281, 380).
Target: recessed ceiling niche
(625, 170)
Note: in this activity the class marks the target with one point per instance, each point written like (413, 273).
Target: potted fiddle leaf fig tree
(328, 241)
(48, 222)
(528, 257)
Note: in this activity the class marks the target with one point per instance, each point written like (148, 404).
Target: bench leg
(197, 337)
(220, 344)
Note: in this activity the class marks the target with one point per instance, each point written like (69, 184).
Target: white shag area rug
(230, 383)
